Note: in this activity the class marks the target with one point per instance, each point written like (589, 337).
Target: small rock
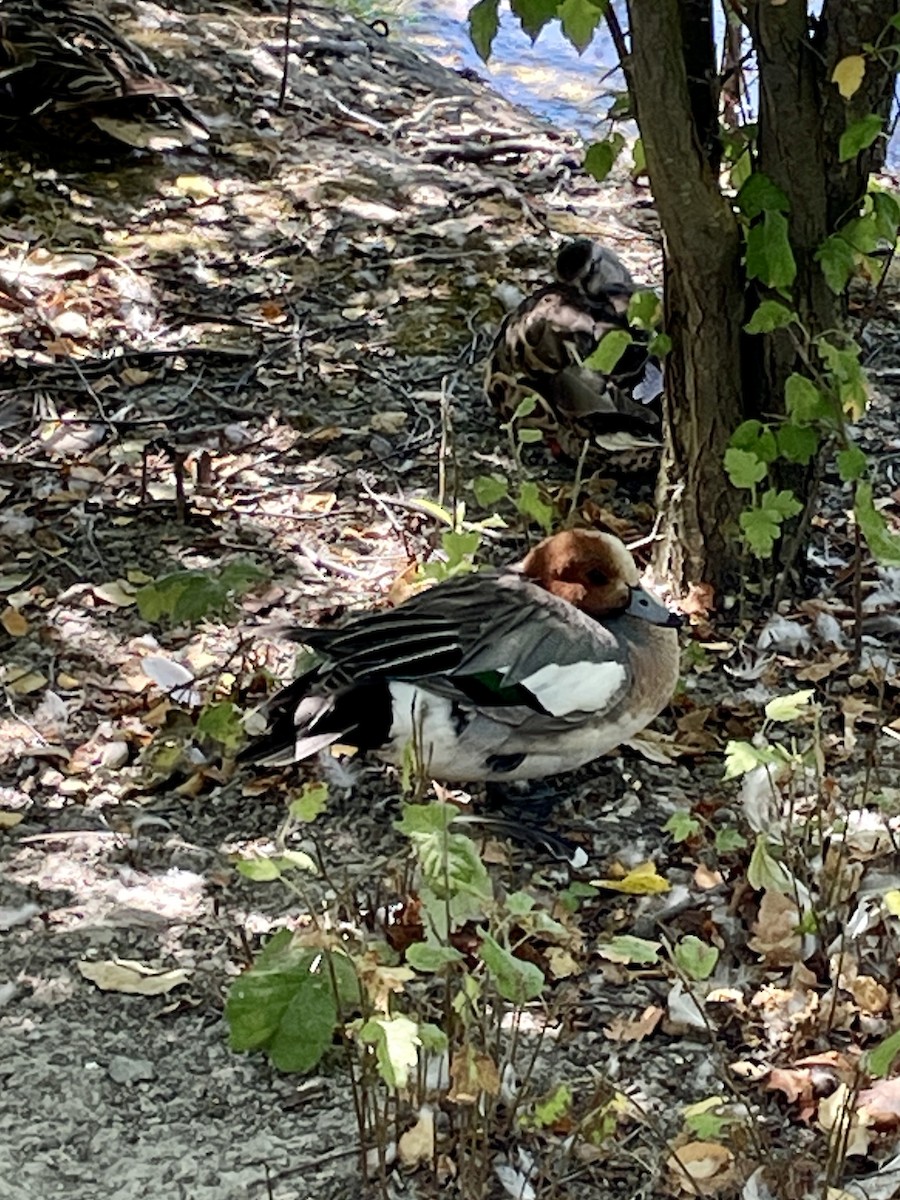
(130, 1070)
(114, 755)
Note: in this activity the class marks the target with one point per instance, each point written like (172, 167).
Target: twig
(288, 17)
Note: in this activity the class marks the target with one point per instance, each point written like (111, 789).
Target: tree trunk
(704, 306)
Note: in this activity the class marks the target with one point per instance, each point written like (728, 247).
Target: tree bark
(704, 307)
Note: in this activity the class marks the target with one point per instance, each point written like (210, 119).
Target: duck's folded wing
(491, 639)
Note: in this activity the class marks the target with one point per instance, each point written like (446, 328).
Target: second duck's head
(596, 573)
(592, 268)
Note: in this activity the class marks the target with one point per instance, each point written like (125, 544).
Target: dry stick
(288, 17)
(857, 595)
(795, 543)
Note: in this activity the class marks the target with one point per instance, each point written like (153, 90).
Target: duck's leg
(557, 847)
(535, 800)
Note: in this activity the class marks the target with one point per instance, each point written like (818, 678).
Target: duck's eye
(597, 578)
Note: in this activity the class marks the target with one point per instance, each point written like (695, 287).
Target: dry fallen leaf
(702, 1168)
(775, 937)
(126, 975)
(472, 1074)
(9, 820)
(13, 622)
(417, 1144)
(634, 1029)
(22, 682)
(882, 1103)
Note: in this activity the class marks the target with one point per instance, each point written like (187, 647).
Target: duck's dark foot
(533, 801)
(557, 847)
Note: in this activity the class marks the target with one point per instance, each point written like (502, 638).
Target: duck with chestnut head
(510, 674)
(540, 350)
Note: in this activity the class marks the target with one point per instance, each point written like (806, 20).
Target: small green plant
(192, 596)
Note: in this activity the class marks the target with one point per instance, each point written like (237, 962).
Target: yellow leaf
(114, 593)
(126, 975)
(641, 881)
(892, 902)
(13, 622)
(22, 682)
(9, 820)
(848, 74)
(198, 187)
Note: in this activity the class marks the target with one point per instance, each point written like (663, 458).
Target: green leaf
(284, 1003)
(260, 870)
(757, 439)
(845, 367)
(660, 345)
(610, 350)
(760, 529)
(490, 489)
(534, 14)
(859, 136)
(519, 903)
(528, 437)
(516, 981)
(600, 156)
(551, 1109)
(530, 504)
(240, 575)
(744, 469)
(638, 159)
(887, 214)
(426, 819)
(425, 956)
(797, 443)
(695, 958)
(770, 315)
(837, 259)
(222, 723)
(788, 708)
(729, 839)
(189, 596)
(884, 545)
(769, 254)
(310, 802)
(805, 402)
(432, 1037)
(880, 1058)
(297, 860)
(761, 194)
(707, 1119)
(765, 872)
(851, 464)
(579, 19)
(681, 825)
(782, 505)
(629, 949)
(645, 309)
(741, 757)
(525, 407)
(483, 25)
(396, 1041)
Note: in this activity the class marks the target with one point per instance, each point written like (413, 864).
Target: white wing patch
(578, 687)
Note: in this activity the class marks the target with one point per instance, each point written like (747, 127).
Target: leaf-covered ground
(268, 351)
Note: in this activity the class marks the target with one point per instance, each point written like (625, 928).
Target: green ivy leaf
(804, 402)
(551, 1109)
(629, 949)
(887, 214)
(797, 443)
(310, 802)
(519, 903)
(528, 437)
(859, 136)
(838, 262)
(769, 254)
(744, 469)
(601, 156)
(222, 722)
(851, 464)
(862, 232)
(770, 315)
(426, 819)
(534, 14)
(660, 345)
(757, 439)
(783, 504)
(483, 25)
(517, 981)
(765, 873)
(695, 958)
(880, 1059)
(579, 19)
(741, 757)
(460, 547)
(638, 158)
(424, 956)
(681, 825)
(260, 870)
(530, 504)
(761, 194)
(645, 309)
(846, 369)
(729, 839)
(884, 544)
(490, 490)
(707, 1119)
(612, 346)
(788, 708)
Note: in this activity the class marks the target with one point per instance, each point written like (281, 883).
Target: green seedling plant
(188, 597)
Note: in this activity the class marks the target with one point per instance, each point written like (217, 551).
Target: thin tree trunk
(704, 307)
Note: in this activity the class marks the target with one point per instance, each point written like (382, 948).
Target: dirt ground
(269, 348)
